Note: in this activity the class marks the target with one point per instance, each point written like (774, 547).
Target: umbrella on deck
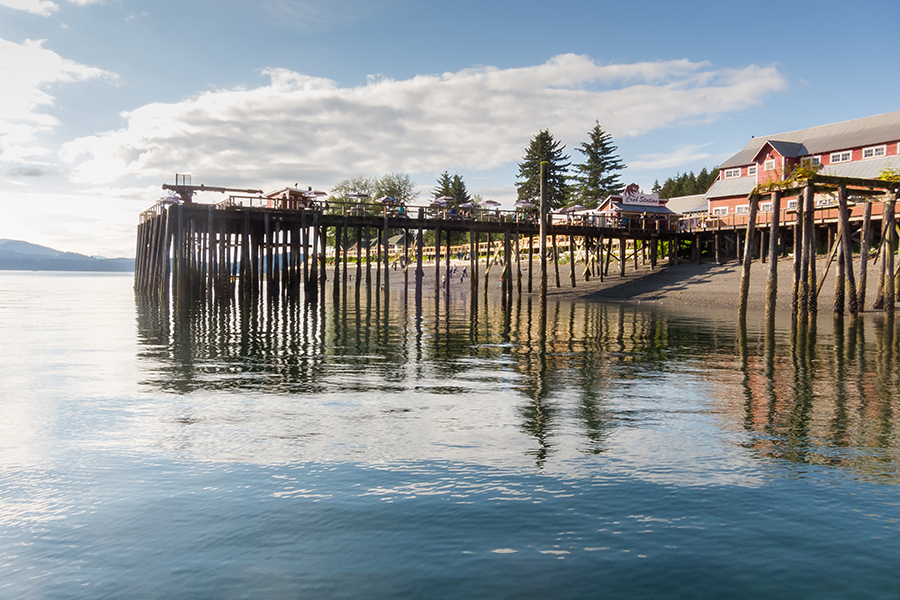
(445, 199)
(357, 195)
(438, 203)
(386, 200)
(467, 205)
(525, 204)
(490, 203)
(314, 193)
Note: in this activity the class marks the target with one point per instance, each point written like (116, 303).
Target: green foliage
(686, 184)
(364, 185)
(800, 172)
(454, 187)
(396, 185)
(459, 191)
(598, 176)
(890, 174)
(444, 182)
(543, 148)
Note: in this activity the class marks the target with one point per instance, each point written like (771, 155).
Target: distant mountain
(23, 256)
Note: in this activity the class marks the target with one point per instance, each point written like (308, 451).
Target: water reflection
(577, 373)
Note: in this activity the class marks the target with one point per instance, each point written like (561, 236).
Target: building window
(720, 210)
(742, 209)
(839, 157)
(751, 171)
(811, 161)
(792, 203)
(769, 165)
(874, 151)
(732, 173)
(765, 207)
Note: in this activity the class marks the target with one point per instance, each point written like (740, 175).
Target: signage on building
(634, 195)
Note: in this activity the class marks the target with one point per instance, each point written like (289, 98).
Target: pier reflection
(568, 376)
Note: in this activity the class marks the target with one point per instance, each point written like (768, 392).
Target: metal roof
(869, 168)
(723, 188)
(856, 133)
(688, 204)
(641, 208)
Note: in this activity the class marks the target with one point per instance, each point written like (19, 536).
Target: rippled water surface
(380, 449)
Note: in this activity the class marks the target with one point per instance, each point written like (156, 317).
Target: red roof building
(861, 148)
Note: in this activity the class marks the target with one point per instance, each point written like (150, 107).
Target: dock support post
(419, 272)
(812, 301)
(772, 280)
(437, 263)
(556, 260)
(846, 252)
(748, 254)
(387, 260)
(338, 241)
(864, 255)
(622, 256)
(572, 259)
(530, 259)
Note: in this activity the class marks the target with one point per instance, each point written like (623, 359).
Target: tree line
(686, 184)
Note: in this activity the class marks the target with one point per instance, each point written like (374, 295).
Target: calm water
(587, 451)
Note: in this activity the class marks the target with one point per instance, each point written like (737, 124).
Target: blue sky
(104, 100)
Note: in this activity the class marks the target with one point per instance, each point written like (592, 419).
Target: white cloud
(39, 7)
(306, 128)
(26, 71)
(683, 155)
(44, 8)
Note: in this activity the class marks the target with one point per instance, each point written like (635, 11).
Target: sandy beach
(685, 285)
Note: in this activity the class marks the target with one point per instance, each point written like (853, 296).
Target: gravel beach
(684, 285)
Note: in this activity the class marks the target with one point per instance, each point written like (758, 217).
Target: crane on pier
(186, 191)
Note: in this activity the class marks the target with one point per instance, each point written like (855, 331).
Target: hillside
(24, 256)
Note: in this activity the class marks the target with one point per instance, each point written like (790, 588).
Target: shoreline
(687, 285)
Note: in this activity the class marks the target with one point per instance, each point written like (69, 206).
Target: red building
(860, 148)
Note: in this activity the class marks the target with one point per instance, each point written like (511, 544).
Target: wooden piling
(772, 280)
(745, 270)
(864, 254)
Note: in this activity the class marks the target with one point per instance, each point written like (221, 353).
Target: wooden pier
(202, 252)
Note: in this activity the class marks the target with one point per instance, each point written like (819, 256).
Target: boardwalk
(198, 252)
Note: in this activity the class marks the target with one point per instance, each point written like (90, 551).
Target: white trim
(769, 165)
(742, 209)
(751, 171)
(792, 203)
(720, 210)
(875, 151)
(731, 173)
(765, 207)
(841, 157)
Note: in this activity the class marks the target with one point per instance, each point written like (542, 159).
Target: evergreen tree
(443, 187)
(598, 176)
(528, 185)
(458, 190)
(686, 184)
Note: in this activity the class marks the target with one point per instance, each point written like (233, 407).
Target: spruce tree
(598, 176)
(458, 190)
(443, 187)
(528, 184)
